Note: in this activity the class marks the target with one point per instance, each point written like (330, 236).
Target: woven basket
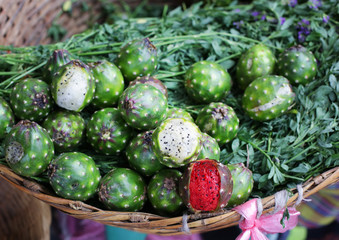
(25, 22)
(151, 223)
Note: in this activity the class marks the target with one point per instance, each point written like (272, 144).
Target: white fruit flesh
(72, 89)
(179, 139)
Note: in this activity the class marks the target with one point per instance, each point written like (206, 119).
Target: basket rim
(151, 223)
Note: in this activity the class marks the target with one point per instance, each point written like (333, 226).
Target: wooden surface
(22, 216)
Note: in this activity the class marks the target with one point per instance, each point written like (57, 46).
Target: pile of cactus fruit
(171, 158)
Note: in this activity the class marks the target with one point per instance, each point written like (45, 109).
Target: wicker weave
(25, 22)
(151, 223)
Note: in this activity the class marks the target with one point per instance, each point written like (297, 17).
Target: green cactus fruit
(177, 142)
(207, 81)
(143, 106)
(297, 64)
(219, 121)
(210, 148)
(59, 58)
(256, 62)
(6, 118)
(107, 132)
(109, 84)
(151, 81)
(28, 148)
(176, 112)
(31, 99)
(163, 192)
(74, 175)
(206, 186)
(267, 98)
(123, 189)
(137, 58)
(66, 129)
(140, 154)
(242, 184)
(73, 86)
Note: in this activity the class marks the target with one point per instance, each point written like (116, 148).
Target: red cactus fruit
(206, 185)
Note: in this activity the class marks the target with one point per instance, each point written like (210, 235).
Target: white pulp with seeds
(177, 142)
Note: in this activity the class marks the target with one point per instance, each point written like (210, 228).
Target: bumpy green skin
(256, 62)
(210, 148)
(186, 143)
(6, 117)
(163, 192)
(242, 184)
(137, 58)
(143, 106)
(74, 175)
(140, 155)
(207, 81)
(58, 58)
(267, 98)
(219, 121)
(109, 84)
(28, 149)
(66, 129)
(176, 112)
(151, 81)
(73, 86)
(107, 132)
(297, 64)
(122, 189)
(31, 99)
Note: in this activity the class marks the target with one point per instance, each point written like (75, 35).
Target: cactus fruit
(242, 184)
(107, 132)
(206, 185)
(109, 84)
(256, 62)
(66, 129)
(267, 98)
(122, 189)
(177, 142)
(73, 86)
(219, 121)
(143, 106)
(210, 148)
(297, 64)
(31, 99)
(28, 148)
(137, 58)
(151, 81)
(74, 175)
(207, 81)
(176, 112)
(163, 192)
(140, 154)
(59, 58)
(6, 117)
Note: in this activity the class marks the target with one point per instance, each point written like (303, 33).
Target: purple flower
(303, 29)
(263, 17)
(282, 20)
(315, 4)
(326, 18)
(237, 10)
(293, 3)
(238, 24)
(255, 13)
